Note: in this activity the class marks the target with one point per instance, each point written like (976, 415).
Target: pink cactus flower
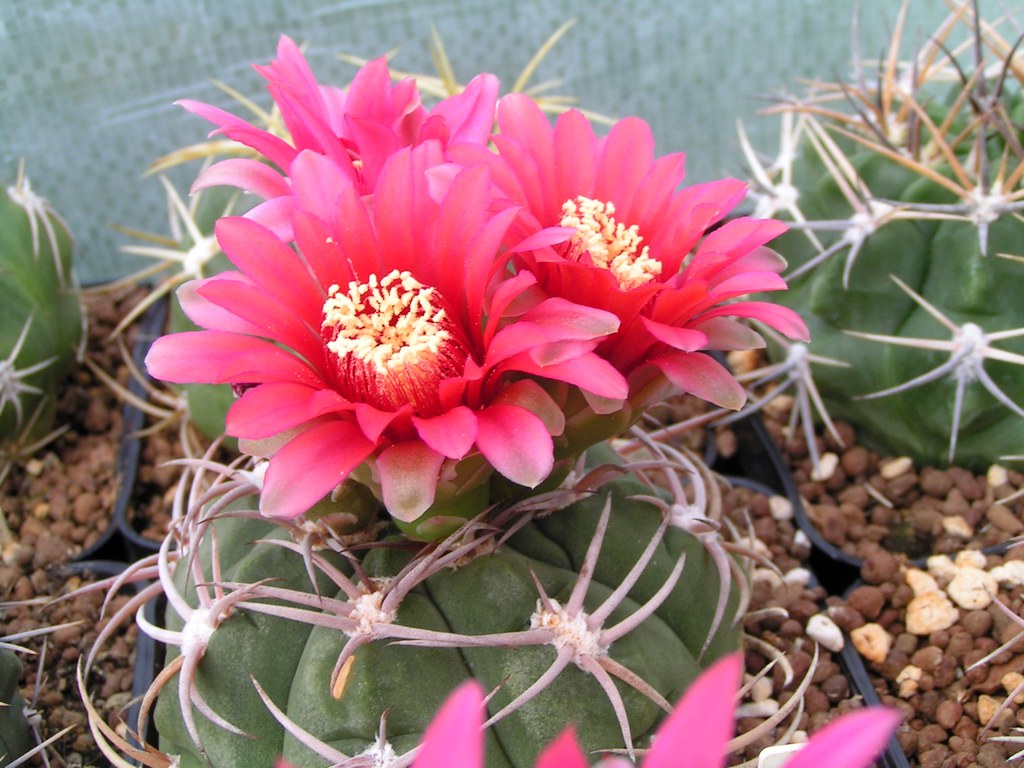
(695, 735)
(392, 338)
(635, 244)
(358, 129)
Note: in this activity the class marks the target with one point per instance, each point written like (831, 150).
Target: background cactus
(492, 599)
(16, 736)
(41, 317)
(904, 191)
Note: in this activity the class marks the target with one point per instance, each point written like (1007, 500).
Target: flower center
(610, 243)
(393, 342)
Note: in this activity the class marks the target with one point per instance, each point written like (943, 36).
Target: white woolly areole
(381, 753)
(568, 630)
(368, 614)
(196, 634)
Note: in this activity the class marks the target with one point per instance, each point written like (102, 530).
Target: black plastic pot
(136, 545)
(758, 458)
(758, 463)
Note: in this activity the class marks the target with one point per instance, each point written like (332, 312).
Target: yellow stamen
(610, 243)
(392, 340)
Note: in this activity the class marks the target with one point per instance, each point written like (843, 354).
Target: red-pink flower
(634, 243)
(693, 736)
(357, 129)
(391, 337)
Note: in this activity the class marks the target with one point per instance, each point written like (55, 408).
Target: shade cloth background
(88, 85)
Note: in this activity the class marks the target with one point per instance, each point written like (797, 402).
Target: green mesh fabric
(88, 85)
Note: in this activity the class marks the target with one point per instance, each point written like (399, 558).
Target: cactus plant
(903, 190)
(433, 335)
(562, 619)
(41, 317)
(16, 736)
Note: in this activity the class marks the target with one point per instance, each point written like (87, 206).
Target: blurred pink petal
(855, 740)
(454, 738)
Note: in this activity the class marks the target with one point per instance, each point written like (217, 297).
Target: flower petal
(408, 478)
(454, 738)
(268, 262)
(852, 741)
(533, 397)
(699, 374)
(563, 752)
(269, 409)
(451, 434)
(516, 443)
(695, 734)
(216, 357)
(683, 339)
(246, 174)
(470, 114)
(310, 466)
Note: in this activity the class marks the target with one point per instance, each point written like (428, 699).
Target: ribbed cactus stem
(41, 318)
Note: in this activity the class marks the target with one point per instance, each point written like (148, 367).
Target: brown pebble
(846, 618)
(948, 713)
(836, 688)
(878, 567)
(934, 757)
(935, 482)
(867, 600)
(927, 658)
(84, 507)
(1003, 518)
(855, 461)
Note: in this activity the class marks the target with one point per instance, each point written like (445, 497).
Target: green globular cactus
(903, 189)
(41, 317)
(16, 736)
(597, 614)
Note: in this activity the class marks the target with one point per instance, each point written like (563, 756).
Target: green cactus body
(890, 207)
(494, 593)
(15, 734)
(41, 316)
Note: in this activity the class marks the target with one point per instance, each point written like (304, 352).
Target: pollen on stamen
(610, 243)
(391, 339)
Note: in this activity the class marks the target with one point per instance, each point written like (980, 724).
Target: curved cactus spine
(905, 202)
(41, 319)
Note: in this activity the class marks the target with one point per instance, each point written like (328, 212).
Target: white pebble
(970, 558)
(930, 612)
(956, 525)
(824, 631)
(765, 708)
(777, 756)
(761, 689)
(826, 466)
(972, 588)
(871, 641)
(800, 539)
(941, 567)
(908, 680)
(798, 576)
(1010, 573)
(920, 581)
(997, 475)
(767, 576)
(896, 467)
(780, 507)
